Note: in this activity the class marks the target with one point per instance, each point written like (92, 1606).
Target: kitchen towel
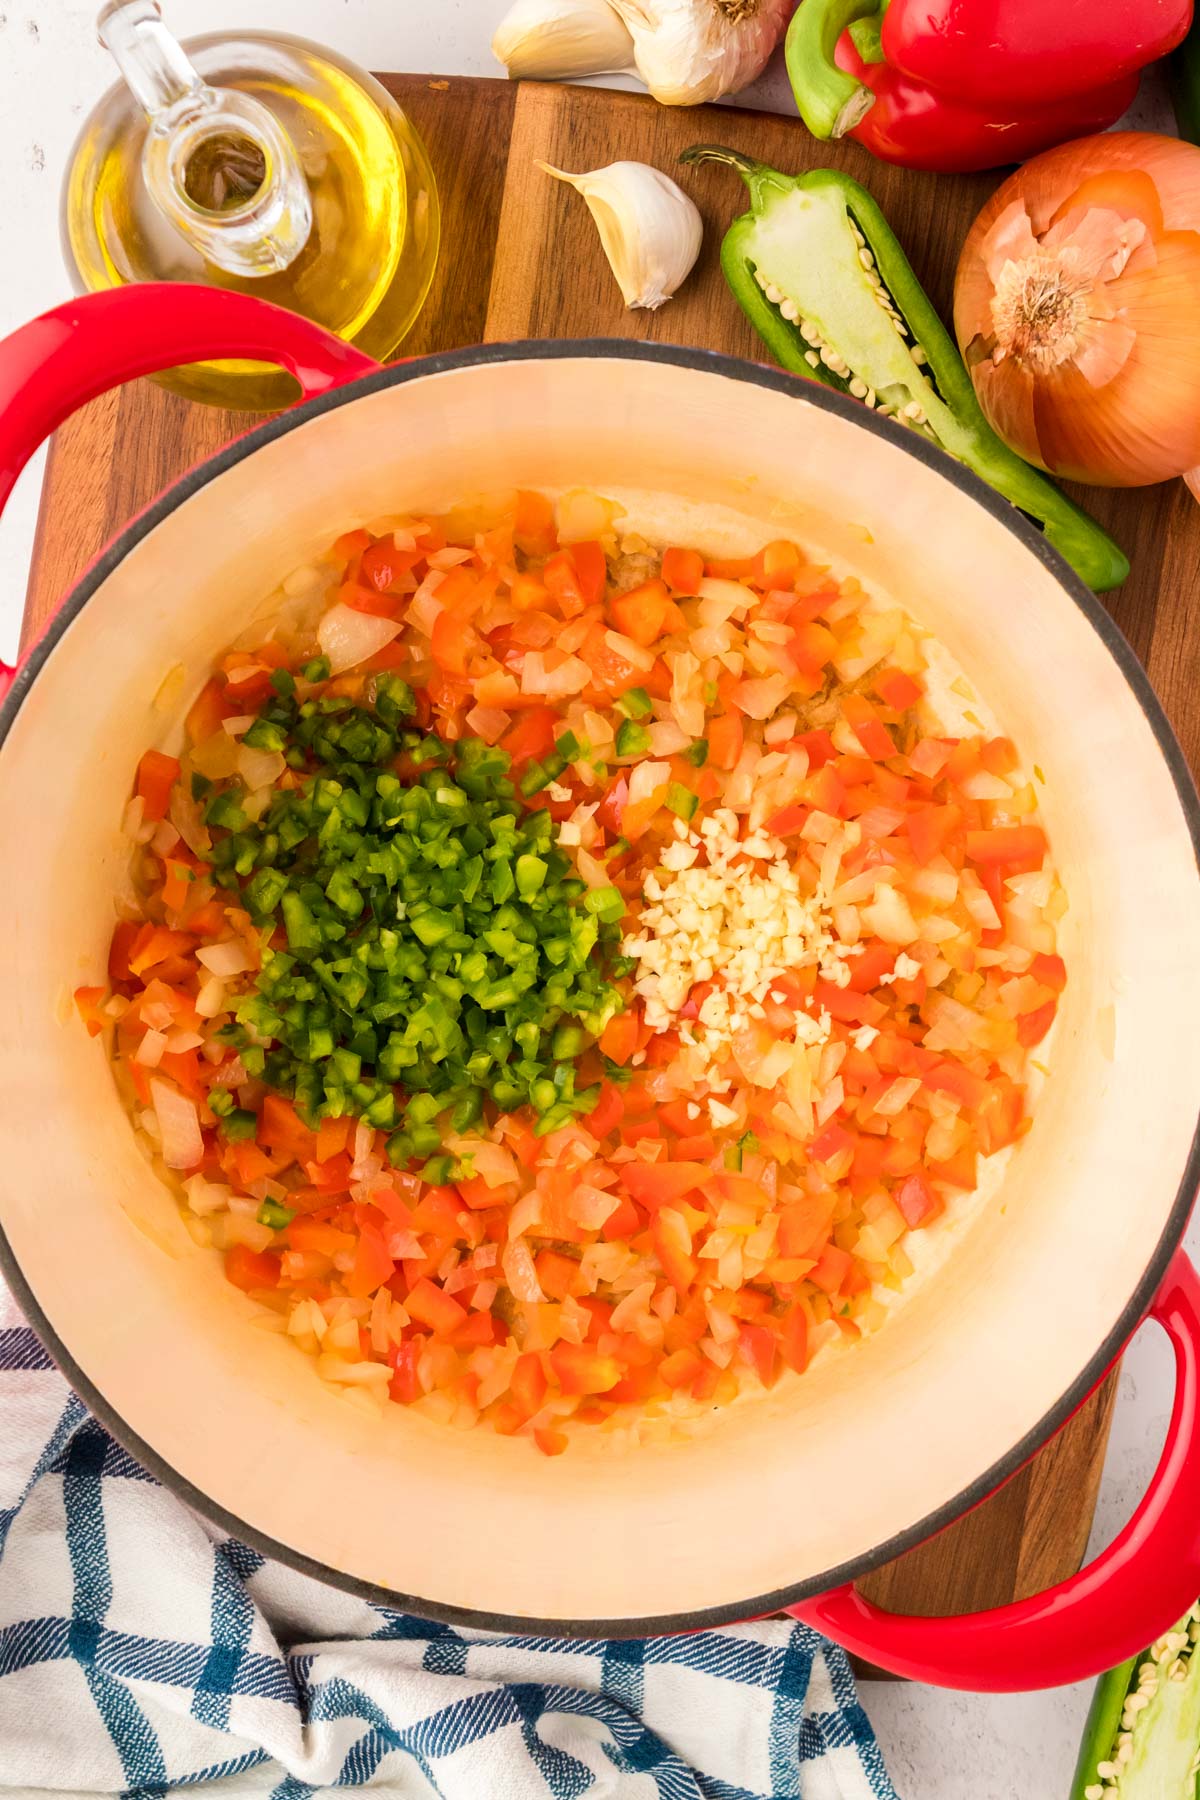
(143, 1651)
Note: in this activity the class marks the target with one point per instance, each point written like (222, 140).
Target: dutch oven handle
(1129, 1595)
(69, 355)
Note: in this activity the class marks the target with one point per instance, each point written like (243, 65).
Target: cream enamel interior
(825, 1469)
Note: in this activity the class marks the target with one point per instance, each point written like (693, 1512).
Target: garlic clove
(559, 40)
(688, 51)
(650, 231)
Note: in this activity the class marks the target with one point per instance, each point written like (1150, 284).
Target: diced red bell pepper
(1050, 971)
(896, 689)
(683, 570)
(625, 1222)
(405, 1385)
(250, 1269)
(156, 776)
(1033, 1026)
(1020, 848)
(804, 1225)
(619, 1039)
(430, 1305)
(868, 727)
(793, 1339)
(917, 1201)
(580, 1369)
(761, 1347)
(662, 1184)
(372, 1265)
(644, 613)
(88, 1001)
(833, 1266)
(607, 1113)
(673, 1245)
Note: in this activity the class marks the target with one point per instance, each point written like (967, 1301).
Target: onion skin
(1076, 308)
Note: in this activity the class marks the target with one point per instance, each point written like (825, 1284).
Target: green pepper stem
(756, 175)
(831, 102)
(1077, 537)
(719, 153)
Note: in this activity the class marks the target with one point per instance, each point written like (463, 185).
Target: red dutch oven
(1026, 1296)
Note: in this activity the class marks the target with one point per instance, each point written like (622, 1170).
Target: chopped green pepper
(276, 1216)
(681, 800)
(441, 951)
(632, 740)
(819, 244)
(635, 703)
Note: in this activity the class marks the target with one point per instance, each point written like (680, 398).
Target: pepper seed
(790, 311)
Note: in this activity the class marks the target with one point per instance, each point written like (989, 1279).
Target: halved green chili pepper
(821, 276)
(1150, 1750)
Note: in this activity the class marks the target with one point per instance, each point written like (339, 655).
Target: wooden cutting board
(521, 259)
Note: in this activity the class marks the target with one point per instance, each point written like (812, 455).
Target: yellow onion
(1077, 309)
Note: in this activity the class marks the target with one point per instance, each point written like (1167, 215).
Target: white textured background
(939, 1746)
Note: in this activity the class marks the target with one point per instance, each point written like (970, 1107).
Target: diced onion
(646, 778)
(633, 653)
(570, 676)
(525, 1215)
(520, 1274)
(591, 1206)
(488, 723)
(226, 959)
(890, 918)
(179, 1123)
(348, 637)
(758, 699)
(150, 1051)
(259, 768)
(721, 600)
(216, 758)
(211, 999)
(897, 1096)
(666, 737)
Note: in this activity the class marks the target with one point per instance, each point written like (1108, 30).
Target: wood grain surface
(521, 259)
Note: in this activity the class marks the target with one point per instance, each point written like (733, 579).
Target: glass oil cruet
(257, 162)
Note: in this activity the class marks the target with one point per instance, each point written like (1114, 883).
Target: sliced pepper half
(821, 276)
(1142, 1738)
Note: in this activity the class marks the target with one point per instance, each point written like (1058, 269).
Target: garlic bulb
(557, 40)
(687, 51)
(651, 232)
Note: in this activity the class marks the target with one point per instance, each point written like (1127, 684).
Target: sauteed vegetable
(562, 974)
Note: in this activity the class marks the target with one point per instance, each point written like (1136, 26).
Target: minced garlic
(729, 910)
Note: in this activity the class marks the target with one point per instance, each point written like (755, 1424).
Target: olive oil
(255, 162)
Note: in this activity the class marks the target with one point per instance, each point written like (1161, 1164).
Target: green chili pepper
(681, 800)
(802, 245)
(697, 753)
(239, 1123)
(276, 1216)
(440, 953)
(1163, 1734)
(632, 740)
(635, 703)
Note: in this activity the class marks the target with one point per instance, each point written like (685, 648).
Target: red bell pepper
(969, 84)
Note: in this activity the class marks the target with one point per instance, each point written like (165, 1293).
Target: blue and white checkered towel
(141, 1651)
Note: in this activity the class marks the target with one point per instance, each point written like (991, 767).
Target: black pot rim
(910, 444)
